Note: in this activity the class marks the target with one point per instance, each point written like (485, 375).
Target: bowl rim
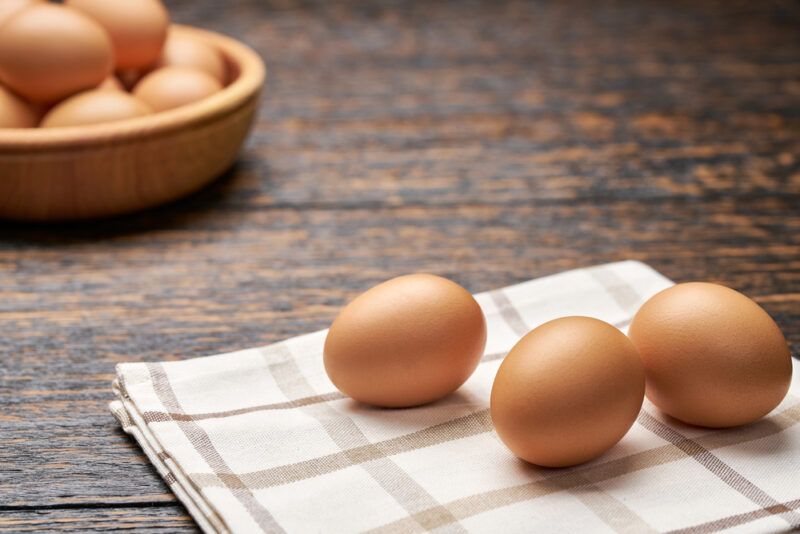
(247, 85)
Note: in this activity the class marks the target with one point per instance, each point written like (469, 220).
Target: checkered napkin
(260, 440)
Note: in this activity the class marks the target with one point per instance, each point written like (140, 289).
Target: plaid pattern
(260, 440)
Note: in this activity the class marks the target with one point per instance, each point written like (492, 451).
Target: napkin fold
(260, 440)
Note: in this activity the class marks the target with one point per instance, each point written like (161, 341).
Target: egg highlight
(9, 7)
(172, 87)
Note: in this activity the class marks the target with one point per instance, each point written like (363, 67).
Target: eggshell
(48, 52)
(15, 112)
(408, 341)
(182, 50)
(9, 7)
(112, 83)
(712, 356)
(137, 28)
(172, 87)
(93, 107)
(567, 392)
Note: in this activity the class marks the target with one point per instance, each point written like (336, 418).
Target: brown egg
(408, 341)
(712, 356)
(15, 112)
(48, 52)
(182, 50)
(9, 7)
(129, 78)
(567, 392)
(112, 83)
(172, 87)
(137, 28)
(94, 107)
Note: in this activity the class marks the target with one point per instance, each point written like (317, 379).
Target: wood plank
(170, 518)
(483, 102)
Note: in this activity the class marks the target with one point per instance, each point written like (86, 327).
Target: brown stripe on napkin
(611, 510)
(626, 297)
(205, 448)
(462, 427)
(721, 469)
(736, 520)
(509, 313)
(159, 417)
(595, 473)
(345, 433)
(154, 416)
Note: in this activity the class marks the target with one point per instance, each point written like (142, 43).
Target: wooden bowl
(124, 166)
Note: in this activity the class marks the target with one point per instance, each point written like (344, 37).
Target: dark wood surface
(490, 142)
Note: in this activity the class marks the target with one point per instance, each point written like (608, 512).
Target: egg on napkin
(405, 342)
(567, 391)
(712, 356)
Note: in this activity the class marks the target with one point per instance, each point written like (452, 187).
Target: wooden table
(486, 142)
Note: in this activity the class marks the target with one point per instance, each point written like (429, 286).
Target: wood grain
(490, 142)
(104, 519)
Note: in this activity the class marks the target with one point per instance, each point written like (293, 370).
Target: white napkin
(260, 440)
